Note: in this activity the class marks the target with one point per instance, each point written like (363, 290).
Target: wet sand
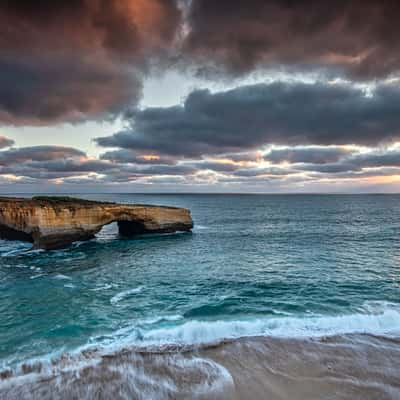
(350, 367)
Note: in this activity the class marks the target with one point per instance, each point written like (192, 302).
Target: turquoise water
(281, 265)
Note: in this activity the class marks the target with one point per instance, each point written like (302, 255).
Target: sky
(250, 96)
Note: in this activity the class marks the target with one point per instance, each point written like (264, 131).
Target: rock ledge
(56, 222)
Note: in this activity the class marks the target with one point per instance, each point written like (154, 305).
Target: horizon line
(200, 193)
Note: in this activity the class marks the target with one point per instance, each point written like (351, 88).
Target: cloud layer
(78, 59)
(267, 135)
(356, 35)
(252, 116)
(83, 59)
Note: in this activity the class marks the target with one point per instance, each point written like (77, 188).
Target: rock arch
(54, 222)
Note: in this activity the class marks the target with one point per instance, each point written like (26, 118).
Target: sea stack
(56, 222)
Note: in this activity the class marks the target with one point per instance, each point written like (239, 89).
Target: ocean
(270, 296)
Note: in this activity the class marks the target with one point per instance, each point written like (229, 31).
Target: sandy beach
(353, 367)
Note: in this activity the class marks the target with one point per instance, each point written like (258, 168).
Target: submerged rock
(55, 222)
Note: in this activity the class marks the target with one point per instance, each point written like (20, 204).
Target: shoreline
(354, 366)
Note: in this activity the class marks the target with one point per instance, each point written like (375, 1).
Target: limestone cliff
(54, 222)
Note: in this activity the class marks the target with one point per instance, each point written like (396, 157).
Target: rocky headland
(56, 222)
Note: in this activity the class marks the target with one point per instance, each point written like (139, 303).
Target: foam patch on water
(37, 276)
(9, 248)
(61, 277)
(107, 286)
(199, 228)
(126, 293)
(69, 286)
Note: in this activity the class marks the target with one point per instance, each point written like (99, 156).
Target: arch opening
(131, 228)
(108, 231)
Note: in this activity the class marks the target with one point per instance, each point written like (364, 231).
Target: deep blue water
(285, 265)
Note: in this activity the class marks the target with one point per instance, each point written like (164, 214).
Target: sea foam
(126, 293)
(378, 318)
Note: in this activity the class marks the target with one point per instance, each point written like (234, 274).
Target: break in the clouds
(250, 117)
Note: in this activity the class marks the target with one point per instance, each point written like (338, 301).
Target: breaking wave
(375, 318)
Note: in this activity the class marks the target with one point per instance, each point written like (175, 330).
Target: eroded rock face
(54, 222)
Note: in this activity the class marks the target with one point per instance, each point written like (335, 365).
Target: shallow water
(282, 266)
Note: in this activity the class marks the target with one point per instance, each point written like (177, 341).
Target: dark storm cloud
(129, 156)
(60, 168)
(369, 173)
(127, 173)
(37, 153)
(358, 35)
(54, 162)
(78, 59)
(252, 156)
(252, 116)
(310, 154)
(389, 158)
(65, 90)
(5, 142)
(271, 171)
(72, 166)
(333, 168)
(356, 162)
(74, 60)
(161, 170)
(215, 166)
